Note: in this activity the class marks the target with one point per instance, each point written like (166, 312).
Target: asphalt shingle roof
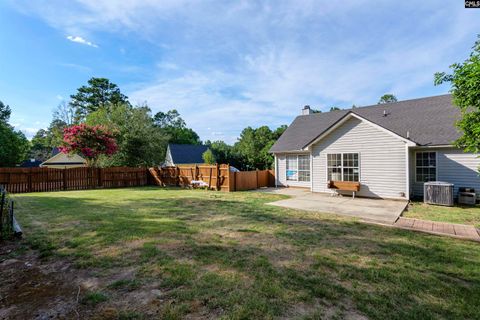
(187, 153)
(429, 121)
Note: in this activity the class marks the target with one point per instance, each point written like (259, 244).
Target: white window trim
(298, 170)
(415, 167)
(359, 165)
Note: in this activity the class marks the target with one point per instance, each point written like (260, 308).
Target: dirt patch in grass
(30, 288)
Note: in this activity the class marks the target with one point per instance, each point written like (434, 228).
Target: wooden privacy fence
(214, 176)
(19, 180)
(218, 177)
(249, 180)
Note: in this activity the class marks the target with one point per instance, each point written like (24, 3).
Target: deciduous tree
(387, 98)
(88, 141)
(465, 82)
(140, 142)
(14, 146)
(208, 157)
(175, 127)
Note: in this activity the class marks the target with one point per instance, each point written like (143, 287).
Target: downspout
(407, 172)
(276, 171)
(311, 170)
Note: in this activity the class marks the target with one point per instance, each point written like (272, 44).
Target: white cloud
(81, 40)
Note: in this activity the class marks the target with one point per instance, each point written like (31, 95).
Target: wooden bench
(353, 186)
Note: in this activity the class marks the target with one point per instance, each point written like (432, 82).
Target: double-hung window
(298, 168)
(343, 167)
(425, 166)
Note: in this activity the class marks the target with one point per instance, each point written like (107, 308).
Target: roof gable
(428, 121)
(186, 153)
(349, 116)
(65, 158)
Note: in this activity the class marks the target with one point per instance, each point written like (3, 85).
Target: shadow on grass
(384, 272)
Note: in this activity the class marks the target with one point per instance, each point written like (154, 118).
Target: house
(390, 149)
(184, 154)
(60, 160)
(30, 163)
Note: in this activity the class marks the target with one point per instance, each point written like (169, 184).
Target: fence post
(29, 180)
(100, 178)
(197, 172)
(64, 176)
(177, 180)
(217, 173)
(235, 181)
(228, 177)
(256, 176)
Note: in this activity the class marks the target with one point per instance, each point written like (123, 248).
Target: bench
(353, 186)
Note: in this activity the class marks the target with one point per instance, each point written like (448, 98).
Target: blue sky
(226, 65)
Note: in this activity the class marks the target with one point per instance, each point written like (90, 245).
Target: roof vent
(408, 134)
(306, 110)
(385, 113)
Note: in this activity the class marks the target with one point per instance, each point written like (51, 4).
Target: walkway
(440, 228)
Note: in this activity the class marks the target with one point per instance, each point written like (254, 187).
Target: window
(298, 168)
(343, 167)
(292, 168)
(425, 166)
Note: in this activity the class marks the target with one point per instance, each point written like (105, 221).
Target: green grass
(461, 214)
(229, 255)
(94, 298)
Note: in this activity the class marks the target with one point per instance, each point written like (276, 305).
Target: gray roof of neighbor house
(429, 121)
(187, 153)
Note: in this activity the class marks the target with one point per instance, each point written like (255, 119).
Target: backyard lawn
(173, 254)
(461, 214)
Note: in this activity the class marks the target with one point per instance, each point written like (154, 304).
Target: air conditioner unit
(438, 192)
(467, 196)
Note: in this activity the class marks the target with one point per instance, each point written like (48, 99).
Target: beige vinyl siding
(382, 159)
(282, 173)
(453, 165)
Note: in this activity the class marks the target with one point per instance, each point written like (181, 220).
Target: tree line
(141, 136)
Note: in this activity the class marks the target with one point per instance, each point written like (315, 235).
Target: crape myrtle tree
(88, 141)
(465, 82)
(140, 142)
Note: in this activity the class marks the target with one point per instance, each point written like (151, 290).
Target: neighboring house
(391, 149)
(60, 160)
(184, 154)
(30, 163)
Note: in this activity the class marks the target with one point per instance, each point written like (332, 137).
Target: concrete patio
(372, 210)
